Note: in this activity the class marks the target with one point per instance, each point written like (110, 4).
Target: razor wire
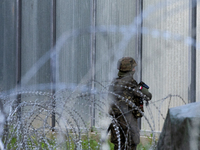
(33, 129)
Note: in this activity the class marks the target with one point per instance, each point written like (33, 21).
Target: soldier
(124, 127)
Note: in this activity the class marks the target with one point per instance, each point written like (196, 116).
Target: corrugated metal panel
(166, 51)
(36, 35)
(198, 54)
(113, 15)
(165, 56)
(8, 46)
(112, 43)
(74, 56)
(35, 42)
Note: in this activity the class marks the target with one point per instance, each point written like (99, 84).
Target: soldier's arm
(145, 89)
(146, 92)
(141, 90)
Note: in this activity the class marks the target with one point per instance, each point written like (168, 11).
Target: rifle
(146, 94)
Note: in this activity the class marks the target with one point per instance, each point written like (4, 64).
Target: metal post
(18, 50)
(139, 8)
(192, 71)
(92, 56)
(53, 60)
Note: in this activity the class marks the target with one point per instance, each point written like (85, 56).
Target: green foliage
(12, 144)
(140, 146)
(147, 144)
(91, 140)
(111, 145)
(92, 143)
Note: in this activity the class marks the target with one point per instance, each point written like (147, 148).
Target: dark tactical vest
(121, 86)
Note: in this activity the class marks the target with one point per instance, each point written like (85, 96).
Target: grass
(92, 141)
(146, 142)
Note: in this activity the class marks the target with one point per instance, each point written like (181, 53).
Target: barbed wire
(28, 123)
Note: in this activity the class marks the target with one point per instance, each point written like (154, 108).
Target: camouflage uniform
(124, 115)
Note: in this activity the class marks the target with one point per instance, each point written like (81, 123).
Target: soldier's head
(126, 64)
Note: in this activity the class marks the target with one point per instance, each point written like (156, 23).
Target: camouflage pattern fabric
(118, 87)
(126, 64)
(129, 133)
(125, 116)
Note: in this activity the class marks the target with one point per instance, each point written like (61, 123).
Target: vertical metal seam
(141, 5)
(93, 55)
(53, 60)
(139, 43)
(18, 40)
(192, 87)
(18, 50)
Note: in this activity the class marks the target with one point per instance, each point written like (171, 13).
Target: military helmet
(126, 64)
